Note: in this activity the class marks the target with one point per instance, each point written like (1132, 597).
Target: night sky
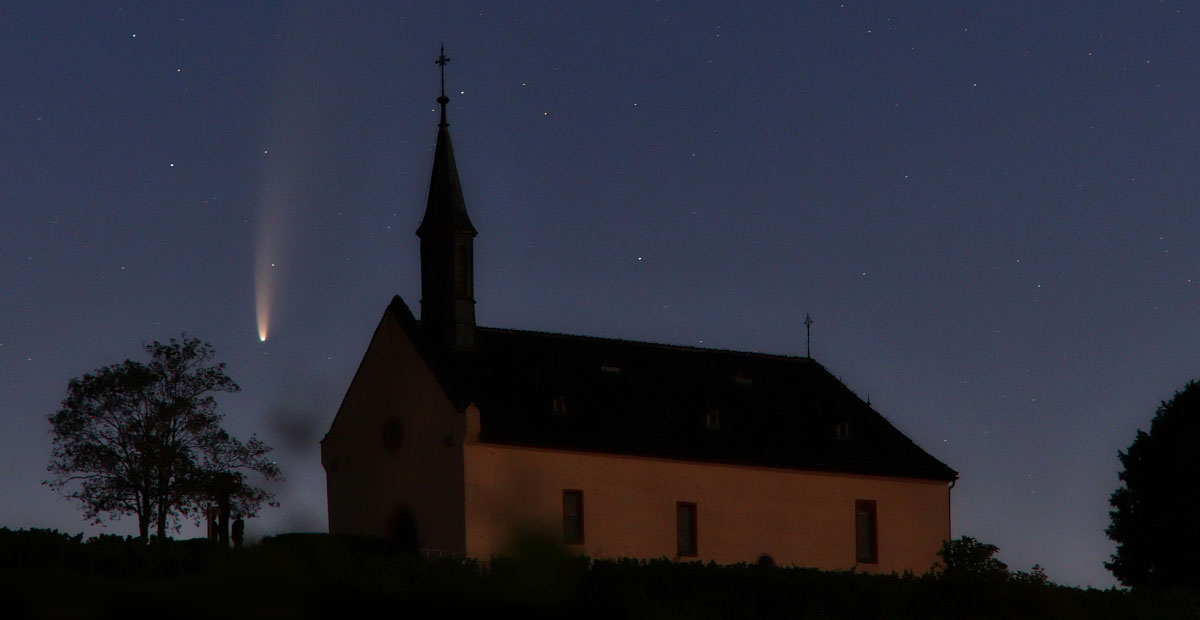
(990, 211)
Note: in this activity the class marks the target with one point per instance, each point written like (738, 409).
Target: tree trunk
(223, 520)
(163, 504)
(143, 515)
(162, 519)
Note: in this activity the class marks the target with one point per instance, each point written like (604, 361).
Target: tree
(146, 439)
(1155, 512)
(965, 557)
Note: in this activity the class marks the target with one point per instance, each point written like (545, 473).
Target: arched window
(712, 420)
(866, 534)
(462, 271)
(393, 434)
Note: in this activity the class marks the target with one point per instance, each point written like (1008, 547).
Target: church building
(456, 438)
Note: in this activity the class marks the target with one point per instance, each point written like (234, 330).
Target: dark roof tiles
(637, 398)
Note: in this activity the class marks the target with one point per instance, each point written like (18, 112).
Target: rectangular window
(866, 535)
(573, 517)
(685, 528)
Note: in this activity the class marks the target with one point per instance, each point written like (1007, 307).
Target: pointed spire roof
(445, 208)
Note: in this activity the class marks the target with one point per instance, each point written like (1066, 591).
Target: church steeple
(447, 246)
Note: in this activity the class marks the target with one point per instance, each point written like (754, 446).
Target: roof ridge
(645, 343)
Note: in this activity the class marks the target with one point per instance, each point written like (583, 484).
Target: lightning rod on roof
(807, 335)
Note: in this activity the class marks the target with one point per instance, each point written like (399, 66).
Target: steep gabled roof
(637, 398)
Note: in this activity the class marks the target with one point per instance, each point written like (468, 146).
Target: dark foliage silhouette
(966, 557)
(1156, 510)
(315, 575)
(146, 439)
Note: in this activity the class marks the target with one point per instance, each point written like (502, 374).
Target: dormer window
(842, 430)
(712, 420)
(559, 405)
(743, 378)
(609, 367)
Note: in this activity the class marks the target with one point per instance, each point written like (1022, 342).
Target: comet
(268, 244)
(263, 287)
(287, 174)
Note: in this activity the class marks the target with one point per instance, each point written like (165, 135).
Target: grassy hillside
(48, 574)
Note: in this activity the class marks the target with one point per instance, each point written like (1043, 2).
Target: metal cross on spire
(441, 63)
(807, 335)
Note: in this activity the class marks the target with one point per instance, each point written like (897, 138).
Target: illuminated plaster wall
(743, 512)
(370, 485)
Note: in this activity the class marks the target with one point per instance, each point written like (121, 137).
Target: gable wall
(367, 485)
(743, 512)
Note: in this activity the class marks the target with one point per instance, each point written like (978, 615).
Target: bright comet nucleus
(262, 302)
